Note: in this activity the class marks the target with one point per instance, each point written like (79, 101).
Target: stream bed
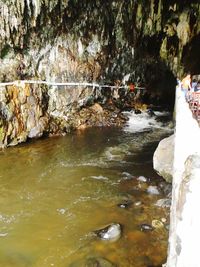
(54, 193)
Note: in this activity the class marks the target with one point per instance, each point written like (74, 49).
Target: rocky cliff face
(97, 40)
(31, 111)
(105, 41)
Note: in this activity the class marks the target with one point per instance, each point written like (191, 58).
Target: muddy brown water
(55, 192)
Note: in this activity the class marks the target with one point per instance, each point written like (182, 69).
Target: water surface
(55, 192)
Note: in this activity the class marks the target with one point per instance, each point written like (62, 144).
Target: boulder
(163, 158)
(111, 232)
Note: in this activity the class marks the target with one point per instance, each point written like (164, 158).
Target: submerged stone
(93, 262)
(164, 203)
(142, 179)
(146, 227)
(157, 224)
(150, 112)
(125, 205)
(153, 190)
(127, 176)
(111, 232)
(166, 188)
(137, 111)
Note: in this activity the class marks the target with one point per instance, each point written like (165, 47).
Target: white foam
(100, 177)
(143, 122)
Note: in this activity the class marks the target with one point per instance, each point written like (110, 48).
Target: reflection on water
(55, 192)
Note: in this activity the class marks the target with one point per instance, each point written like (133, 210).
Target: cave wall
(98, 40)
(114, 41)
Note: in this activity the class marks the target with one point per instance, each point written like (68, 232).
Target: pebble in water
(93, 262)
(150, 112)
(153, 190)
(146, 227)
(166, 188)
(157, 224)
(164, 203)
(142, 179)
(138, 203)
(125, 205)
(137, 111)
(111, 232)
(127, 176)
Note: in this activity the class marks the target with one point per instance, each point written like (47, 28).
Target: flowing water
(55, 192)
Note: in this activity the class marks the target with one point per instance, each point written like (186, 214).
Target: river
(55, 192)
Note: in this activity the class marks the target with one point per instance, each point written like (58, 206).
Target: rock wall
(105, 41)
(98, 40)
(34, 110)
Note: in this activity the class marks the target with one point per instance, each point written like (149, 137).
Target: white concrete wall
(184, 239)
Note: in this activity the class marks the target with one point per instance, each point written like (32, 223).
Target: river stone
(146, 227)
(157, 224)
(93, 262)
(111, 232)
(163, 158)
(127, 176)
(142, 179)
(166, 188)
(150, 112)
(137, 111)
(153, 190)
(164, 203)
(125, 204)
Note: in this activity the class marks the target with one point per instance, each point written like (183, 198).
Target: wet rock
(138, 203)
(166, 188)
(93, 262)
(142, 186)
(150, 112)
(111, 232)
(142, 179)
(157, 224)
(125, 205)
(167, 227)
(137, 111)
(153, 190)
(163, 158)
(99, 262)
(146, 227)
(164, 203)
(128, 109)
(127, 176)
